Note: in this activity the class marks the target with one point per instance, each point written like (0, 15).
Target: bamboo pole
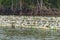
(12, 5)
(20, 7)
(37, 6)
(41, 3)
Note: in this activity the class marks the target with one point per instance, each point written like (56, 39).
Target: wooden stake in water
(13, 25)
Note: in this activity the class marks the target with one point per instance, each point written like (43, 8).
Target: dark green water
(28, 34)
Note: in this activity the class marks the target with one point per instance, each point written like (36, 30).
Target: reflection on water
(28, 34)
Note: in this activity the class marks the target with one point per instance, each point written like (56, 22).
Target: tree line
(24, 7)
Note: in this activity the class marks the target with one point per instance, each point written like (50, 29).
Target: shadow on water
(29, 34)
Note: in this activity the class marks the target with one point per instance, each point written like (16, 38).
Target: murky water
(28, 34)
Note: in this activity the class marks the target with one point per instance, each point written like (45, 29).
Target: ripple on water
(40, 35)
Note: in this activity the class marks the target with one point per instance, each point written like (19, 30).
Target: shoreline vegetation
(35, 12)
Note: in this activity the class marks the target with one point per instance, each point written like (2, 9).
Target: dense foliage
(29, 6)
(30, 3)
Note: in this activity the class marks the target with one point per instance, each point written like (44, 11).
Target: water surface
(28, 34)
